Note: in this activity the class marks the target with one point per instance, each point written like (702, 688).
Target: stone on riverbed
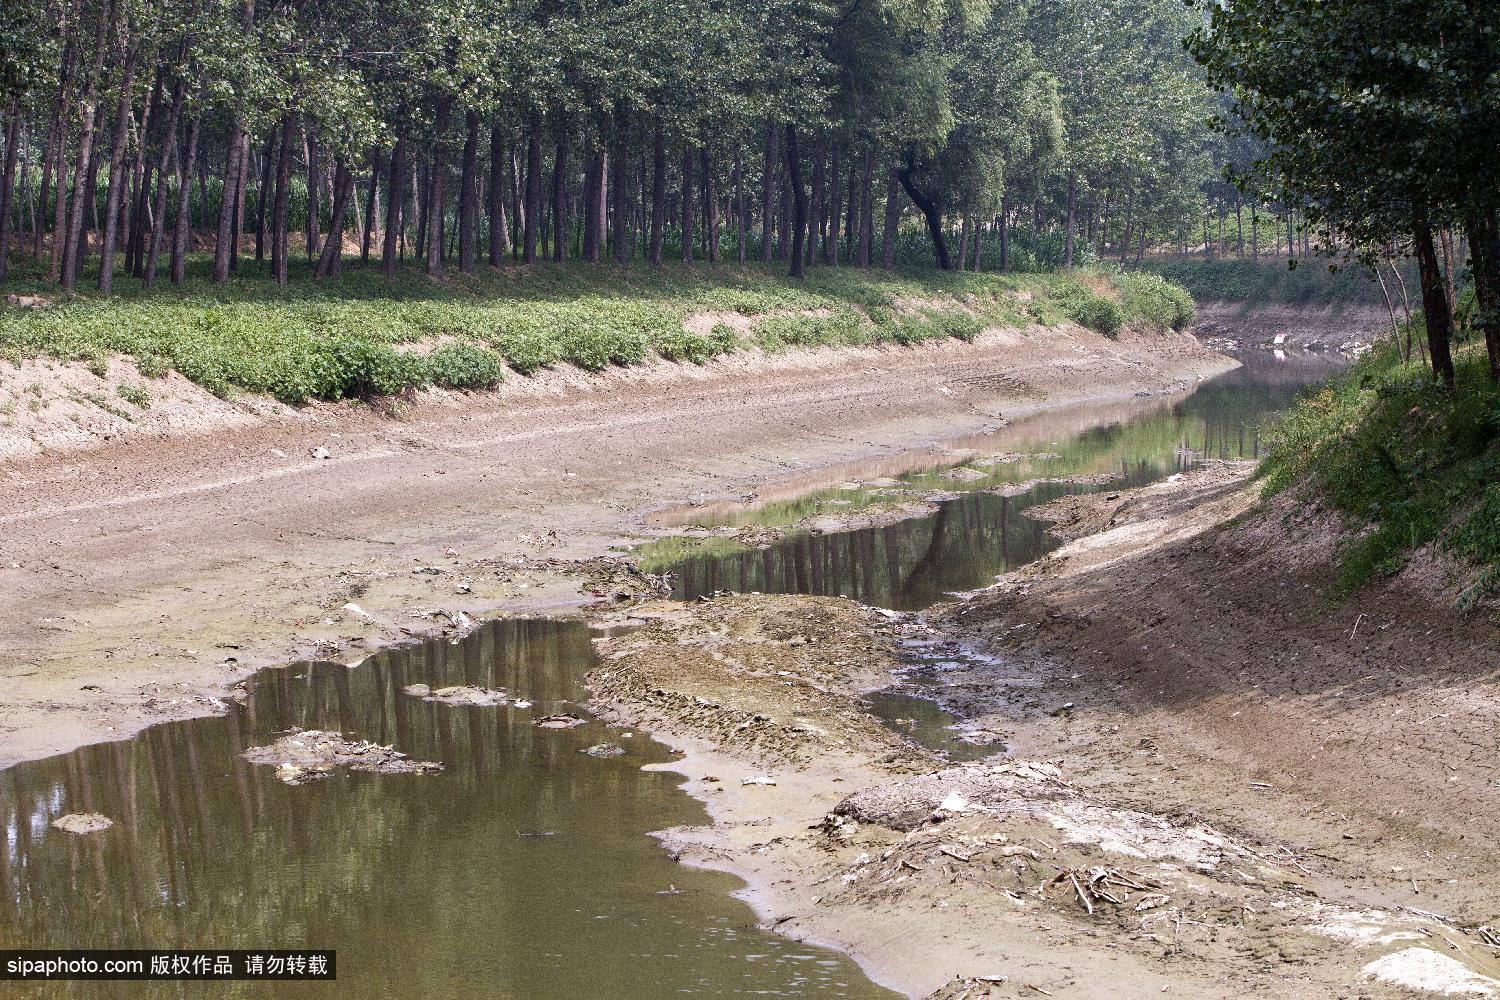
(81, 823)
(301, 756)
(477, 697)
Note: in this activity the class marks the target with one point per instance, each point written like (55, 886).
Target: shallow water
(426, 885)
(977, 535)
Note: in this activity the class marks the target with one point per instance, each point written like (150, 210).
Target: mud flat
(146, 575)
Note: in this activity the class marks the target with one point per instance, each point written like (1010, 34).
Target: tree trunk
(892, 220)
(468, 197)
(314, 174)
(560, 198)
(372, 208)
(1434, 299)
(619, 203)
(658, 194)
(819, 197)
(867, 210)
(685, 214)
(835, 208)
(710, 205)
(395, 181)
(332, 255)
(768, 192)
(741, 209)
(226, 204)
(7, 189)
(799, 203)
(115, 198)
(159, 206)
(963, 243)
(82, 196)
(929, 212)
(533, 187)
(263, 193)
(1483, 228)
(182, 227)
(283, 198)
(1005, 232)
(498, 227)
(1068, 247)
(435, 184)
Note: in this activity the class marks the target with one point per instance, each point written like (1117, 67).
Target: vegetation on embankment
(358, 336)
(1272, 282)
(1407, 460)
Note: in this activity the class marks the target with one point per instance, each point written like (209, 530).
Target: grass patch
(360, 337)
(1397, 454)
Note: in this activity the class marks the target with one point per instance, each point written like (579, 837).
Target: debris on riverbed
(602, 750)
(461, 695)
(81, 823)
(301, 756)
(563, 720)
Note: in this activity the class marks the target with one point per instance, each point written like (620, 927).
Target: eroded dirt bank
(144, 576)
(1100, 857)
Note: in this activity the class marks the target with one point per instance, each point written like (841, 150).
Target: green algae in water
(427, 885)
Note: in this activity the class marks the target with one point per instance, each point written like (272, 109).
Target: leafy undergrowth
(1410, 461)
(1270, 281)
(359, 336)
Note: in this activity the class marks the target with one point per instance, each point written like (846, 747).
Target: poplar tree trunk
(314, 172)
(815, 221)
(621, 204)
(82, 195)
(1072, 219)
(7, 189)
(533, 187)
(658, 194)
(866, 209)
(711, 206)
(332, 257)
(159, 206)
(767, 191)
(560, 199)
(182, 231)
(499, 228)
(283, 197)
(1005, 232)
(435, 185)
(372, 208)
(1439, 321)
(263, 193)
(892, 220)
(930, 212)
(468, 197)
(1483, 229)
(113, 200)
(835, 210)
(741, 209)
(396, 180)
(799, 203)
(226, 204)
(685, 215)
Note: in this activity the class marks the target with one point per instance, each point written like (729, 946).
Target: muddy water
(524, 870)
(981, 528)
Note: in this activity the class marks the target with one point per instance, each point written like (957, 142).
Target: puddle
(925, 723)
(427, 884)
(976, 532)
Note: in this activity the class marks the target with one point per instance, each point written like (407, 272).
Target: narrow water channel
(980, 529)
(524, 870)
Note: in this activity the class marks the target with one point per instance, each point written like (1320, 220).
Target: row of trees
(1381, 119)
(458, 131)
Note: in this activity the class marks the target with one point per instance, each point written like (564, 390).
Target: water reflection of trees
(209, 851)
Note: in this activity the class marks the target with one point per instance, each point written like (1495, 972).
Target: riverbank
(147, 577)
(1210, 786)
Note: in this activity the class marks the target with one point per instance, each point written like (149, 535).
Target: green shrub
(462, 365)
(136, 396)
(1152, 302)
(1087, 308)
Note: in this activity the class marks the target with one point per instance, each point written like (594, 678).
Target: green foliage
(136, 396)
(1271, 281)
(358, 337)
(1088, 308)
(1409, 461)
(1154, 301)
